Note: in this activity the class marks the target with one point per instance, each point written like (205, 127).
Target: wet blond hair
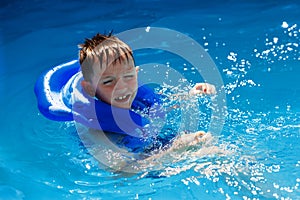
(107, 49)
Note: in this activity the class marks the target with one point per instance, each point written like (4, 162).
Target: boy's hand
(203, 88)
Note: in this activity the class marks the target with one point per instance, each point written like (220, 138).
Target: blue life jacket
(60, 98)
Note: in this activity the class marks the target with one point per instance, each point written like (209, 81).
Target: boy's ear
(88, 88)
(137, 68)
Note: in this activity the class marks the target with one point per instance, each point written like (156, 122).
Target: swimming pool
(256, 49)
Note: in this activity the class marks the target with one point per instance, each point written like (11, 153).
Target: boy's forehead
(117, 67)
(112, 59)
(112, 63)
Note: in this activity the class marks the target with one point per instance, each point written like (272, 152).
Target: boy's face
(117, 84)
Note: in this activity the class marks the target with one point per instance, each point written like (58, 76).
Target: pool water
(255, 46)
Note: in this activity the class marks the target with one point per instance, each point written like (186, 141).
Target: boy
(110, 75)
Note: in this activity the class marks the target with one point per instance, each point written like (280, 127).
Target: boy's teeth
(123, 97)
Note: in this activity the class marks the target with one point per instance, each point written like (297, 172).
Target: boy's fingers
(204, 88)
(212, 89)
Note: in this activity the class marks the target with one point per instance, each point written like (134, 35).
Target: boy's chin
(125, 105)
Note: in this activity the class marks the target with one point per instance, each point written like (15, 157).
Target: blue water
(255, 46)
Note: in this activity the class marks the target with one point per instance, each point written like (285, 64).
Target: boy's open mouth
(122, 98)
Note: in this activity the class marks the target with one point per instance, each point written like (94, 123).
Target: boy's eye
(129, 76)
(107, 82)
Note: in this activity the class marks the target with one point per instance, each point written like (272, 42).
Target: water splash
(282, 45)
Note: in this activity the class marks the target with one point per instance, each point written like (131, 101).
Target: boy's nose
(120, 84)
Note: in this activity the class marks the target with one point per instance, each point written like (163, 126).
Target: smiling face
(117, 84)
(108, 69)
